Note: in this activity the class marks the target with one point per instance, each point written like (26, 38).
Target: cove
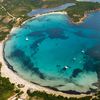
(51, 51)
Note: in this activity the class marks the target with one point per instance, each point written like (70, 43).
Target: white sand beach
(14, 78)
(38, 15)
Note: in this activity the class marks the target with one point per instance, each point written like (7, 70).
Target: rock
(21, 85)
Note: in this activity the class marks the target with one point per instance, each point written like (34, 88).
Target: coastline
(15, 78)
(60, 12)
(81, 20)
(39, 15)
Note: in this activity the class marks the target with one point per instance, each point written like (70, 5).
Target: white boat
(66, 67)
(27, 39)
(83, 51)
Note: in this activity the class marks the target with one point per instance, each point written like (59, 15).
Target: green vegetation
(78, 11)
(14, 12)
(11, 11)
(17, 10)
(44, 96)
(6, 88)
(97, 96)
(22, 7)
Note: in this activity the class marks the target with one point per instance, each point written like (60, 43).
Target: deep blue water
(42, 47)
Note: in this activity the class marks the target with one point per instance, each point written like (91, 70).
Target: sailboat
(83, 51)
(27, 39)
(66, 67)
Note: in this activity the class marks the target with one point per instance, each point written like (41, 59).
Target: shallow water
(51, 51)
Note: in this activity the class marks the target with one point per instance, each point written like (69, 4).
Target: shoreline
(70, 92)
(81, 20)
(59, 12)
(39, 15)
(16, 79)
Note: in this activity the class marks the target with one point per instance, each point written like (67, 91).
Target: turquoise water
(41, 49)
